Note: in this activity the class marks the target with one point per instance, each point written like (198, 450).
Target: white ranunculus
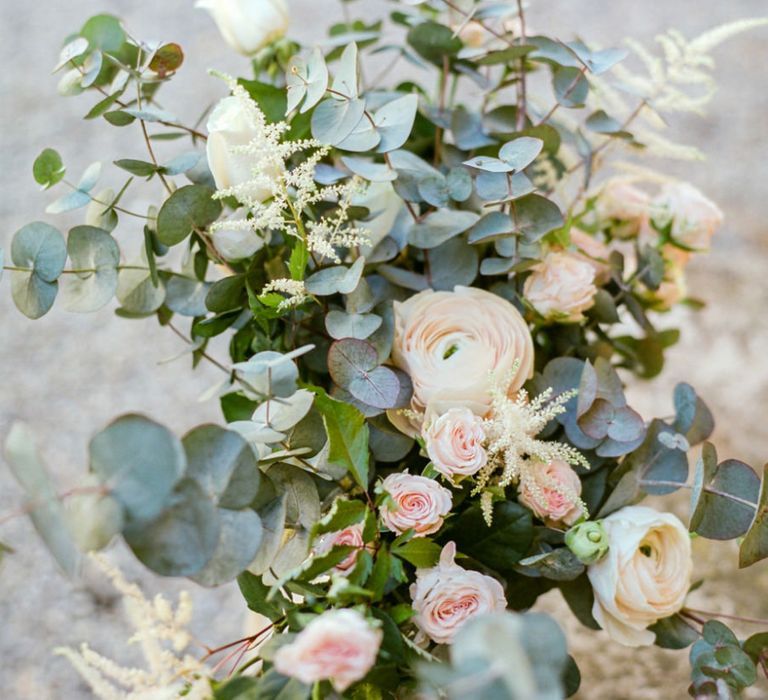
(230, 127)
(447, 596)
(249, 25)
(236, 243)
(340, 646)
(644, 577)
(455, 346)
(454, 443)
(561, 287)
(419, 504)
(694, 217)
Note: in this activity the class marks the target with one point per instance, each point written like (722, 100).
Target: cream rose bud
(339, 646)
(420, 504)
(554, 494)
(230, 127)
(446, 597)
(351, 536)
(249, 25)
(454, 443)
(694, 217)
(561, 287)
(456, 345)
(645, 575)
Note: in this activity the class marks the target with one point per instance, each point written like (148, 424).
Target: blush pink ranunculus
(451, 344)
(420, 504)
(561, 287)
(351, 536)
(447, 596)
(553, 495)
(339, 646)
(454, 443)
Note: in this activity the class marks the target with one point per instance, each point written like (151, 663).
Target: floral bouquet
(431, 299)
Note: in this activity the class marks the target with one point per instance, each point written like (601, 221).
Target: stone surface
(68, 375)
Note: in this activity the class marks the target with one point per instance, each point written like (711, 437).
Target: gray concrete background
(68, 375)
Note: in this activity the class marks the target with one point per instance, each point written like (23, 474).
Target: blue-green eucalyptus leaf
(354, 366)
(188, 208)
(137, 293)
(440, 226)
(41, 248)
(347, 78)
(394, 122)
(334, 120)
(336, 280)
(351, 325)
(521, 152)
(96, 253)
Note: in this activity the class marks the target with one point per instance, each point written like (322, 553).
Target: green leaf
(32, 295)
(492, 226)
(271, 100)
(354, 366)
(167, 59)
(501, 546)
(140, 461)
(239, 541)
(224, 465)
(423, 553)
(521, 152)
(348, 436)
(186, 296)
(96, 253)
(41, 248)
(137, 293)
(340, 324)
(104, 32)
(721, 497)
(440, 226)
(183, 539)
(334, 120)
(571, 87)
(535, 216)
(141, 168)
(345, 512)
(45, 508)
(119, 118)
(674, 633)
(188, 208)
(754, 547)
(434, 42)
(336, 280)
(453, 263)
(693, 418)
(48, 168)
(255, 593)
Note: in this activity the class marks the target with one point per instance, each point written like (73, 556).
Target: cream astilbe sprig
(292, 188)
(514, 450)
(162, 633)
(294, 290)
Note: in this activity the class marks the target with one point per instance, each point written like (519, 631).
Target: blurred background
(68, 375)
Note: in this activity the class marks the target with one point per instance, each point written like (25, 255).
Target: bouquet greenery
(431, 298)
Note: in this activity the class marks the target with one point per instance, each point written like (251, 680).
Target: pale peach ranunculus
(644, 577)
(455, 346)
(351, 536)
(454, 443)
(593, 251)
(621, 200)
(561, 287)
(694, 217)
(340, 646)
(447, 596)
(420, 504)
(554, 494)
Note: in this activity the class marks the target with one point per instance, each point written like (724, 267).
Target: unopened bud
(588, 541)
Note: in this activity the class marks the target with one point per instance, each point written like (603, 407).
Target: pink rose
(620, 200)
(554, 494)
(339, 646)
(561, 287)
(455, 443)
(420, 504)
(694, 217)
(452, 343)
(446, 596)
(351, 536)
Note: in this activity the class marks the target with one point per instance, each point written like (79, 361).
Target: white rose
(249, 25)
(451, 344)
(420, 504)
(554, 493)
(561, 287)
(644, 577)
(339, 646)
(446, 597)
(231, 126)
(454, 443)
(694, 217)
(237, 242)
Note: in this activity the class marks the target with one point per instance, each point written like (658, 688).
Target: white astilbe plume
(296, 293)
(293, 188)
(676, 79)
(161, 631)
(514, 451)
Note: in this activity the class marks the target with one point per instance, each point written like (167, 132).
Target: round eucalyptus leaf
(140, 462)
(240, 538)
(347, 78)
(41, 248)
(440, 226)
(94, 518)
(368, 170)
(183, 539)
(453, 263)
(223, 463)
(96, 255)
(521, 152)
(537, 216)
(333, 120)
(282, 414)
(459, 183)
(343, 325)
(493, 225)
(48, 168)
(571, 87)
(269, 373)
(137, 293)
(33, 296)
(188, 208)
(363, 137)
(272, 516)
(186, 296)
(302, 502)
(394, 122)
(354, 366)
(336, 280)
